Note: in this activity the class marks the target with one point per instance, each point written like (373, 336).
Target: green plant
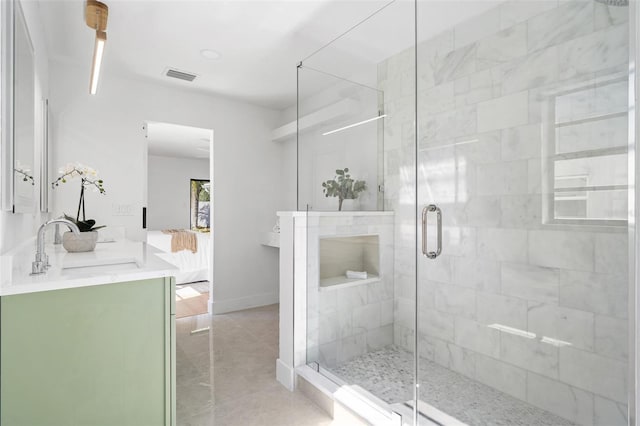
(343, 187)
(88, 179)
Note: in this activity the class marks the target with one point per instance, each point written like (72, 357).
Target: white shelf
(270, 239)
(335, 283)
(328, 113)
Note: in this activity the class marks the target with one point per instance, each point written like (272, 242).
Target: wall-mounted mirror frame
(6, 104)
(44, 159)
(17, 112)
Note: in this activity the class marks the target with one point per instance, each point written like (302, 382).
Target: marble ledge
(109, 263)
(333, 213)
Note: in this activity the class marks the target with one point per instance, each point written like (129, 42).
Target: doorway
(179, 195)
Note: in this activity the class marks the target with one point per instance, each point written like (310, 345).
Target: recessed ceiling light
(210, 54)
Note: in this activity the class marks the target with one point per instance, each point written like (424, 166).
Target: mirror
(18, 112)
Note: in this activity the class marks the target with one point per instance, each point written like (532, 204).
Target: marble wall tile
(352, 297)
(502, 376)
(573, 326)
(436, 324)
(477, 337)
(531, 354)
(609, 413)
(534, 176)
(566, 22)
(366, 318)
(438, 269)
(607, 16)
(328, 328)
(604, 294)
(459, 241)
(478, 148)
(386, 312)
(403, 337)
(436, 99)
(351, 347)
(345, 324)
(502, 178)
(431, 54)
(382, 290)
(611, 337)
(594, 52)
(328, 354)
(530, 282)
(455, 64)
(562, 249)
(404, 312)
(474, 88)
(561, 399)
(514, 12)
(380, 337)
(537, 69)
(603, 376)
(456, 300)
(502, 46)
(501, 310)
(477, 28)
(504, 112)
(612, 253)
(482, 211)
(446, 125)
(521, 211)
(509, 245)
(426, 348)
(455, 358)
(522, 143)
(478, 274)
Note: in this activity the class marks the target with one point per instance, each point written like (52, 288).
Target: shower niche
(349, 261)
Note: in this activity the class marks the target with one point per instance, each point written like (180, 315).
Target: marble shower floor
(226, 375)
(388, 374)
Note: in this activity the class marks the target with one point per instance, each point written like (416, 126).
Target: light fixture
(96, 14)
(355, 124)
(212, 55)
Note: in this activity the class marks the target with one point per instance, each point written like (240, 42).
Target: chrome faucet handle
(41, 263)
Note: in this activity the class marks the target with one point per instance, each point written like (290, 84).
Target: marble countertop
(111, 262)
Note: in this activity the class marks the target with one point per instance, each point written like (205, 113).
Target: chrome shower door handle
(425, 212)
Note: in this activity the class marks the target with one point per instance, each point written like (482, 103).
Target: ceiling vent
(180, 75)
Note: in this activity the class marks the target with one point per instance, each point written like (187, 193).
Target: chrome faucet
(40, 265)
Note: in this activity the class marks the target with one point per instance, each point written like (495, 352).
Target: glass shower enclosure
(463, 167)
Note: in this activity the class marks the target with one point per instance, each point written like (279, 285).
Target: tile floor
(226, 376)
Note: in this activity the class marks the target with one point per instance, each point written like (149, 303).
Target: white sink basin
(100, 266)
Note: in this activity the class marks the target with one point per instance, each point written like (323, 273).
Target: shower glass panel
(522, 143)
(503, 127)
(361, 277)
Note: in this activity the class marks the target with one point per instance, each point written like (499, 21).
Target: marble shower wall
(345, 321)
(533, 309)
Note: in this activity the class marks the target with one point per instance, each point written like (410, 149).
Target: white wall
(17, 228)
(106, 132)
(168, 194)
(320, 155)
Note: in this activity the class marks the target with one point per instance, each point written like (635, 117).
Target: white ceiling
(173, 140)
(260, 41)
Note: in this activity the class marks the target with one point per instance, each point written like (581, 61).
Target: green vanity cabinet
(96, 355)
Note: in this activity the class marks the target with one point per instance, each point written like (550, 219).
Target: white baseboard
(231, 305)
(285, 375)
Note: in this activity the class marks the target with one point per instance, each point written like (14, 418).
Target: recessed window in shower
(349, 260)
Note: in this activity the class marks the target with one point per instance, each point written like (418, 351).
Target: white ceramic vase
(85, 241)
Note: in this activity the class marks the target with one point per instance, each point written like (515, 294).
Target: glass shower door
(522, 312)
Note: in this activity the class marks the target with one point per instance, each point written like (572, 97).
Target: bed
(193, 266)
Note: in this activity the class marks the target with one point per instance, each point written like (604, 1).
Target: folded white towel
(357, 275)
